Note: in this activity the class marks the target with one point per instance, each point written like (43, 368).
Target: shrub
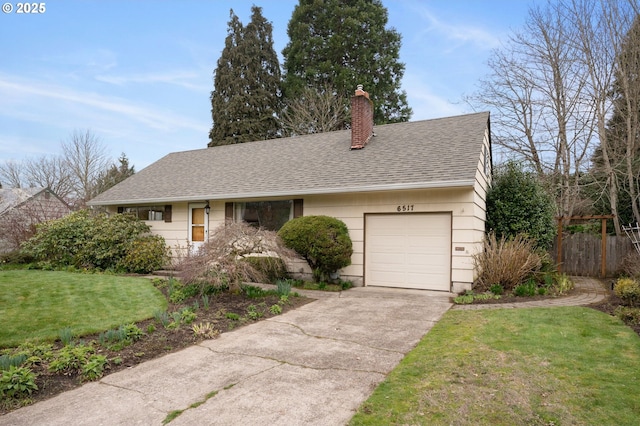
(322, 241)
(526, 289)
(99, 241)
(17, 382)
(272, 268)
(518, 204)
(16, 257)
(506, 262)
(222, 261)
(496, 289)
(628, 315)
(628, 290)
(145, 254)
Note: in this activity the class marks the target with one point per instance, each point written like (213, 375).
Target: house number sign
(405, 208)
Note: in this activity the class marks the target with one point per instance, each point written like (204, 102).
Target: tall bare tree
(549, 88)
(86, 160)
(314, 111)
(49, 172)
(12, 174)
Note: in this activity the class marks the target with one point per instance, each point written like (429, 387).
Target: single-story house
(412, 194)
(21, 209)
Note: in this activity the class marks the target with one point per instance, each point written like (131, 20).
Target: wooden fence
(581, 254)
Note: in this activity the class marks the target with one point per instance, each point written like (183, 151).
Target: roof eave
(269, 194)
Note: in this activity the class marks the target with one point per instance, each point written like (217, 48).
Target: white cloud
(425, 102)
(179, 78)
(461, 34)
(26, 92)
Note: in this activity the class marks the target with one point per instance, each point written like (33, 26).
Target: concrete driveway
(311, 366)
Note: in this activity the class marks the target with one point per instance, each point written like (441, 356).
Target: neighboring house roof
(434, 153)
(12, 197)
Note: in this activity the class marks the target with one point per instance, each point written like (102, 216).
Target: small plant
(151, 328)
(526, 289)
(17, 382)
(205, 301)
(162, 317)
(65, 335)
(71, 358)
(464, 299)
(206, 330)
(253, 313)
(275, 309)
(283, 287)
(94, 367)
(563, 284)
(232, 316)
(7, 361)
(628, 315)
(196, 305)
(628, 290)
(346, 285)
(284, 300)
(177, 296)
(131, 332)
(187, 316)
(496, 289)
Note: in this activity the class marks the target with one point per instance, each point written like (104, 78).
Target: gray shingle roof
(11, 197)
(441, 152)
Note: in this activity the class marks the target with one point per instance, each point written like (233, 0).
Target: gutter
(319, 191)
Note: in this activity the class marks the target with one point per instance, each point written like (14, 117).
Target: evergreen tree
(245, 102)
(115, 174)
(343, 43)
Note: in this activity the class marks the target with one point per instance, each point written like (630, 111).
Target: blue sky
(139, 74)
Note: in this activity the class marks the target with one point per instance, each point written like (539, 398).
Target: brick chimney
(361, 118)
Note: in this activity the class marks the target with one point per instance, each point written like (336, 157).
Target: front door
(198, 226)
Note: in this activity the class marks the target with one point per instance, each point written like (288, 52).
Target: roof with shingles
(12, 197)
(434, 153)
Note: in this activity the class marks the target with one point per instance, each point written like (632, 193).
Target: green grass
(545, 366)
(36, 305)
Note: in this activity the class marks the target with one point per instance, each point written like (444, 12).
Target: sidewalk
(590, 290)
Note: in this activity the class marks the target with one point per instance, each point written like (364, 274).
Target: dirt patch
(159, 340)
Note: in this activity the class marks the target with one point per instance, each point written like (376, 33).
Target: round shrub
(322, 241)
(145, 254)
(628, 290)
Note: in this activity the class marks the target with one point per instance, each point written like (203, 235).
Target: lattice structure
(633, 232)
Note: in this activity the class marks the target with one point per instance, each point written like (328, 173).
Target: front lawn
(542, 366)
(37, 305)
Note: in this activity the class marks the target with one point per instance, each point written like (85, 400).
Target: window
(269, 215)
(145, 212)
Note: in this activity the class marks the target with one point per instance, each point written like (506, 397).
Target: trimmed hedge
(322, 241)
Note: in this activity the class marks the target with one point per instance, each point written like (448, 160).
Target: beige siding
(466, 206)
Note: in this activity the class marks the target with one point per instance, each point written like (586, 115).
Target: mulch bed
(161, 341)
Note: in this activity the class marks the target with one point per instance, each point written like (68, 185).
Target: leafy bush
(322, 241)
(628, 315)
(99, 241)
(517, 204)
(94, 367)
(16, 258)
(628, 290)
(506, 262)
(17, 382)
(526, 289)
(145, 254)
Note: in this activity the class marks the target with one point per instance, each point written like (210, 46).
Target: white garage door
(408, 251)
